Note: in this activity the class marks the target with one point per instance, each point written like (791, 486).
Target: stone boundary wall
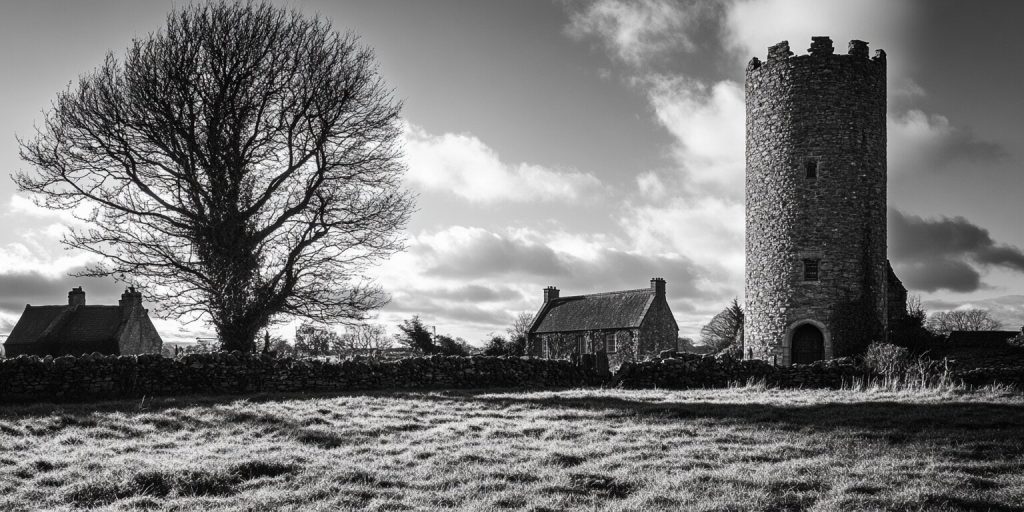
(92, 377)
(98, 377)
(689, 371)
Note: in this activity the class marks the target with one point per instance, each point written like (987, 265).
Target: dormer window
(811, 269)
(811, 168)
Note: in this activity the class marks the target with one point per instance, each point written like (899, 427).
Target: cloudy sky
(594, 145)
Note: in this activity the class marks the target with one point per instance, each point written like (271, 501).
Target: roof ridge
(635, 290)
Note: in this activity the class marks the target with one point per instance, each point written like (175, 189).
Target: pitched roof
(33, 323)
(894, 280)
(611, 310)
(66, 324)
(980, 338)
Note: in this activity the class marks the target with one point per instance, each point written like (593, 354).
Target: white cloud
(708, 230)
(636, 30)
(463, 165)
(707, 123)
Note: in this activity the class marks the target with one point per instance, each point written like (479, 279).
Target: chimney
(130, 302)
(76, 297)
(658, 285)
(550, 294)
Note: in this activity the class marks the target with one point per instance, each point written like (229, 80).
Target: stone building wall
(567, 345)
(658, 332)
(827, 110)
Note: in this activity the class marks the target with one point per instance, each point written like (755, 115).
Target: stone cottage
(627, 325)
(77, 328)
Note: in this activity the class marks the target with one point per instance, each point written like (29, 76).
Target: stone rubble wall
(31, 378)
(689, 371)
(98, 377)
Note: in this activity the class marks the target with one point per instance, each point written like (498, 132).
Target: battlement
(821, 46)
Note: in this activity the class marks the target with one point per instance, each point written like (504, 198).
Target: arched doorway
(808, 344)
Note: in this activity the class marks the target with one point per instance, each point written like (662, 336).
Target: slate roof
(893, 279)
(980, 338)
(611, 310)
(66, 324)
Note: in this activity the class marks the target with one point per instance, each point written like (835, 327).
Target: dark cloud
(930, 254)
(478, 293)
(493, 255)
(446, 313)
(935, 273)
(19, 289)
(618, 270)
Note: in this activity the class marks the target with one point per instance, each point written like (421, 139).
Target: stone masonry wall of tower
(815, 191)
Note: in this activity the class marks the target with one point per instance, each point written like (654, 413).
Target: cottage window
(811, 270)
(609, 342)
(812, 169)
(622, 339)
(581, 344)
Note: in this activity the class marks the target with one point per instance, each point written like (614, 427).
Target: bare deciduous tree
(242, 163)
(944, 322)
(367, 340)
(520, 326)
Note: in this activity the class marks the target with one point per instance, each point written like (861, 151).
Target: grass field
(733, 449)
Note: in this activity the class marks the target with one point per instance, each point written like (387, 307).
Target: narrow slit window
(812, 169)
(811, 270)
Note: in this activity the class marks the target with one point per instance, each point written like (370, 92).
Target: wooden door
(808, 344)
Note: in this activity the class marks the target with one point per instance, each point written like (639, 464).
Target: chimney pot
(658, 285)
(131, 300)
(76, 297)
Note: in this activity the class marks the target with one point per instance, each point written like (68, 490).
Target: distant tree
(496, 346)
(243, 162)
(315, 341)
(909, 331)
(446, 345)
(915, 309)
(516, 343)
(520, 326)
(725, 331)
(281, 347)
(944, 322)
(416, 336)
(367, 340)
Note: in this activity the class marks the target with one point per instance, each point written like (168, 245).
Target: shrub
(886, 359)
(898, 370)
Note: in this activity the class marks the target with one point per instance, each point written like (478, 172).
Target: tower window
(812, 169)
(811, 270)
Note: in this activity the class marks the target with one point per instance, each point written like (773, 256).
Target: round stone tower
(816, 267)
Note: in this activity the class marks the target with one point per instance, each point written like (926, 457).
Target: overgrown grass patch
(746, 448)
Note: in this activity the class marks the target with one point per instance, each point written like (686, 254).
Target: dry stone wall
(30, 378)
(690, 371)
(98, 377)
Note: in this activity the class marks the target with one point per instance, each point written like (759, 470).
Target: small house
(76, 328)
(628, 325)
